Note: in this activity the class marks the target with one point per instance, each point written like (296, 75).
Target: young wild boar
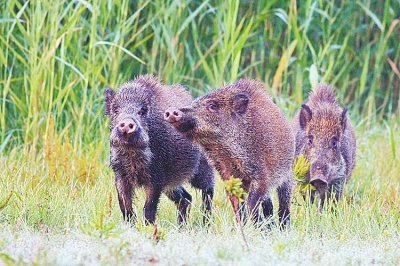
(244, 135)
(325, 135)
(146, 151)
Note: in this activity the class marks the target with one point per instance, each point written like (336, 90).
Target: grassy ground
(62, 220)
(57, 198)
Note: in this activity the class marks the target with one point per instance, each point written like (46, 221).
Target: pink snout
(127, 126)
(172, 115)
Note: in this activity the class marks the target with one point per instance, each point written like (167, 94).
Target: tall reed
(57, 58)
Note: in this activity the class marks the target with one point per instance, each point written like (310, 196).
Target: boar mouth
(179, 119)
(320, 183)
(185, 126)
(133, 140)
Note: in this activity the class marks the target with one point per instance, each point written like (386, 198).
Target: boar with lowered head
(146, 151)
(325, 135)
(244, 135)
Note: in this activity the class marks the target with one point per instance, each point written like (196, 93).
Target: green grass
(57, 57)
(65, 219)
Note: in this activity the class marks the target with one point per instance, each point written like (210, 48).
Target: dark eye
(310, 139)
(143, 110)
(212, 106)
(333, 143)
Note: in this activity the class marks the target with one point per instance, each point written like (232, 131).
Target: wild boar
(146, 151)
(325, 136)
(245, 135)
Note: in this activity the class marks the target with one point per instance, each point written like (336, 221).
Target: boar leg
(182, 200)
(334, 191)
(254, 200)
(207, 198)
(322, 196)
(153, 194)
(204, 179)
(242, 211)
(124, 189)
(337, 188)
(284, 196)
(268, 210)
(312, 196)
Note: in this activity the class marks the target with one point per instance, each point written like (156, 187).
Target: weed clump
(301, 168)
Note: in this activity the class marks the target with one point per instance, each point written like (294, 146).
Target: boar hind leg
(124, 189)
(182, 200)
(204, 180)
(207, 198)
(150, 207)
(284, 196)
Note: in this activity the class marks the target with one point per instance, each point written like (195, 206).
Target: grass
(38, 225)
(57, 197)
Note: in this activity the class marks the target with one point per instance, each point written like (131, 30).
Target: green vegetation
(234, 187)
(57, 197)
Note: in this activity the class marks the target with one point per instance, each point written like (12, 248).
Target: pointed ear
(109, 97)
(305, 116)
(240, 102)
(344, 118)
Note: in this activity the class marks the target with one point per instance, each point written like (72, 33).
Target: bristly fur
(322, 93)
(154, 156)
(325, 135)
(244, 134)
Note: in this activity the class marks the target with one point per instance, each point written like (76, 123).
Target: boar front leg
(337, 188)
(255, 198)
(124, 189)
(258, 193)
(268, 210)
(284, 196)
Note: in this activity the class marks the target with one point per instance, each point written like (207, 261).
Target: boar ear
(109, 97)
(305, 115)
(240, 102)
(344, 118)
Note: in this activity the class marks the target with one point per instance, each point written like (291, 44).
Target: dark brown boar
(245, 135)
(146, 151)
(325, 135)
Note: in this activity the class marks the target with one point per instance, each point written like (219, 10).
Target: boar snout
(172, 115)
(181, 119)
(318, 173)
(127, 126)
(319, 182)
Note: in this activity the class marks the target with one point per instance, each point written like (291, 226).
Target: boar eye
(333, 143)
(310, 139)
(143, 110)
(212, 106)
